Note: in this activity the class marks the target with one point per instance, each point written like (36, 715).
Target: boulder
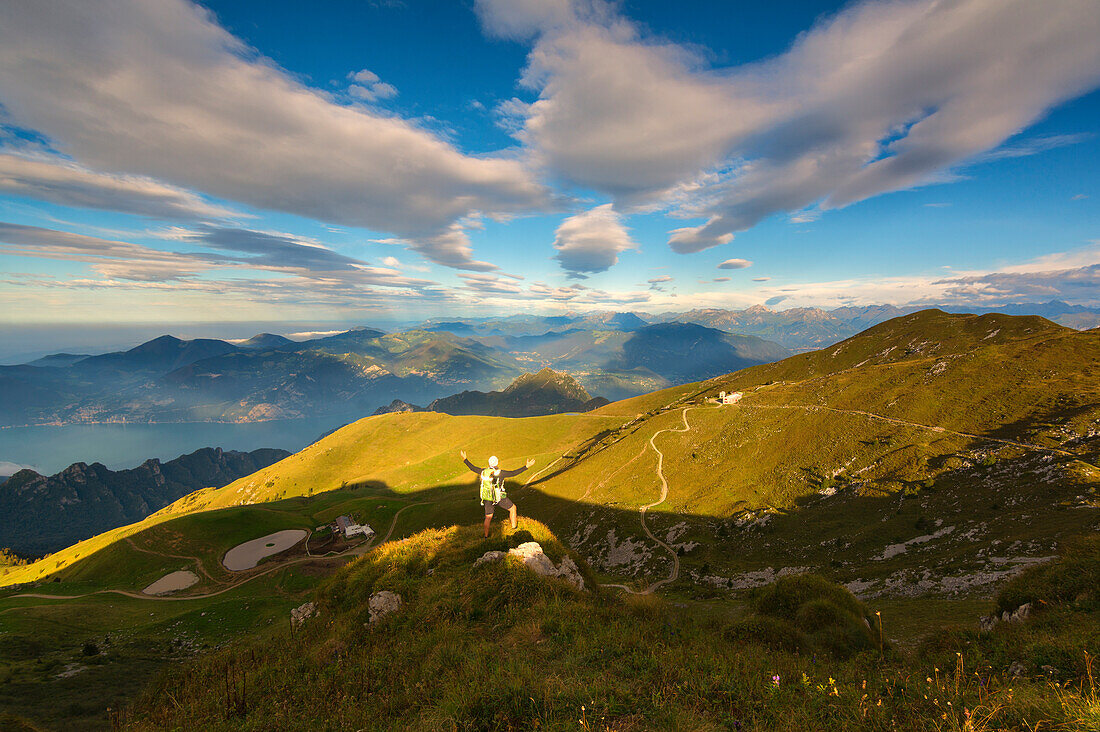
(531, 554)
(1016, 670)
(383, 603)
(533, 557)
(987, 623)
(302, 613)
(489, 557)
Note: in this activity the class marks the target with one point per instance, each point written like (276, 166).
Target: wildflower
(775, 679)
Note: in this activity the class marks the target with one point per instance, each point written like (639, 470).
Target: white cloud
(156, 88)
(450, 248)
(880, 97)
(391, 261)
(735, 264)
(224, 249)
(760, 279)
(369, 87)
(57, 180)
(591, 241)
(721, 279)
(1079, 197)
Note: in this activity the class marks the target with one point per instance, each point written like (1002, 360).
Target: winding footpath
(675, 573)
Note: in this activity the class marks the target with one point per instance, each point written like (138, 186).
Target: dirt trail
(918, 425)
(675, 573)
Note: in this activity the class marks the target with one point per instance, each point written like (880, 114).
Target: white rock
(302, 613)
(569, 572)
(535, 559)
(383, 603)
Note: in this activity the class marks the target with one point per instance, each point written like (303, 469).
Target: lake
(49, 449)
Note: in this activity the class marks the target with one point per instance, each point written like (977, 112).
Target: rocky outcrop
(533, 557)
(987, 623)
(302, 613)
(383, 603)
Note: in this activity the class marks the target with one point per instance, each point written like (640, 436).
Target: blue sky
(167, 162)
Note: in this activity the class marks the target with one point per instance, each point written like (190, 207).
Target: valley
(921, 464)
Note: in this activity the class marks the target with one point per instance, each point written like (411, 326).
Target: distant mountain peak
(544, 392)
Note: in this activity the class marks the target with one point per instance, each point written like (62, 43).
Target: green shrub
(783, 598)
(816, 613)
(771, 632)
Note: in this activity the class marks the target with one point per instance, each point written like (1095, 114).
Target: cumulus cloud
(735, 264)
(155, 88)
(59, 181)
(450, 248)
(880, 97)
(591, 241)
(368, 86)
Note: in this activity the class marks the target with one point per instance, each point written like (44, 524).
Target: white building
(356, 530)
(731, 398)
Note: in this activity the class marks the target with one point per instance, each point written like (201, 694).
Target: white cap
(493, 461)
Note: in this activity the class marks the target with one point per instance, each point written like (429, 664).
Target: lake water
(51, 449)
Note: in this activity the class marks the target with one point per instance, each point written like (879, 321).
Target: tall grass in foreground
(496, 647)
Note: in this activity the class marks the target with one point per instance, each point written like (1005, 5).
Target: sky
(163, 161)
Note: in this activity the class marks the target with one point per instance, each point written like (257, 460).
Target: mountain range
(920, 465)
(350, 374)
(40, 514)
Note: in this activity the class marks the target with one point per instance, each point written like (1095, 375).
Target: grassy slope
(404, 452)
(495, 647)
(1030, 381)
(1009, 377)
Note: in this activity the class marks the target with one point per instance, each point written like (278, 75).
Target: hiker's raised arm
(470, 465)
(512, 473)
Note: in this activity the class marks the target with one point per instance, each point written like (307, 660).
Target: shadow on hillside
(842, 536)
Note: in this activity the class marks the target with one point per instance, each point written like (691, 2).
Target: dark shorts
(505, 503)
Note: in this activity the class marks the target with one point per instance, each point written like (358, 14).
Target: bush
(783, 598)
(815, 613)
(771, 632)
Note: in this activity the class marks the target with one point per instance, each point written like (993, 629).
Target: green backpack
(491, 485)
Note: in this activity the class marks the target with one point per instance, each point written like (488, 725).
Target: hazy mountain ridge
(41, 514)
(530, 395)
(350, 374)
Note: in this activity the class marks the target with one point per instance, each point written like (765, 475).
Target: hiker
(492, 487)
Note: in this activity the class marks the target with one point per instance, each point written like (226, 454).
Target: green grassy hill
(922, 398)
(497, 647)
(923, 464)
